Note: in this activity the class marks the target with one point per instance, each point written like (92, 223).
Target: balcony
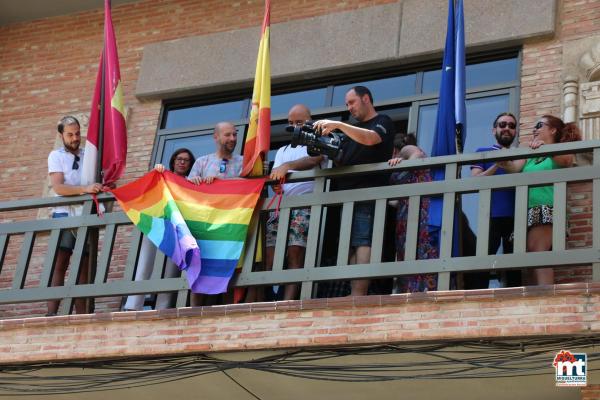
(562, 312)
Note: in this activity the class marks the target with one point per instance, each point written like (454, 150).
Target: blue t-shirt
(503, 200)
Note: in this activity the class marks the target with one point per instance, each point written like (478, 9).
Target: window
(382, 89)
(409, 98)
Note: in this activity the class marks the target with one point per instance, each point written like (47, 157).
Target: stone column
(589, 110)
(570, 98)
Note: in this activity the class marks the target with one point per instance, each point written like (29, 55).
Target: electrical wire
(450, 360)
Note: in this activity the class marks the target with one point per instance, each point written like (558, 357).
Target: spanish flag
(106, 141)
(259, 132)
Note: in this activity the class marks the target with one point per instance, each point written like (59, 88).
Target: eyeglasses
(223, 166)
(540, 124)
(182, 160)
(504, 124)
(298, 122)
(75, 163)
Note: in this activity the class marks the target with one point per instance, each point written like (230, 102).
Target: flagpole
(101, 122)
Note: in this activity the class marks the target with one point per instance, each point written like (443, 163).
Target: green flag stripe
(206, 231)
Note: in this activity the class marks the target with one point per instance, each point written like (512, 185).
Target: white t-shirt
(289, 153)
(61, 160)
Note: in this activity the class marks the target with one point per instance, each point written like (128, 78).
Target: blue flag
(450, 127)
(451, 116)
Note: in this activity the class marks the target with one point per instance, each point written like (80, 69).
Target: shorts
(297, 231)
(539, 215)
(362, 224)
(67, 236)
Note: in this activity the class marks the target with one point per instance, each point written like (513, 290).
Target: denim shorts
(362, 224)
(67, 236)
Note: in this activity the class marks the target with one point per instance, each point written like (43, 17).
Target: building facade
(187, 64)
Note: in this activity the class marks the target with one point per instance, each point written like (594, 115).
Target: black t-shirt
(355, 153)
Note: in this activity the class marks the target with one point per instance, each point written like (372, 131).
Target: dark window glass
(199, 145)
(477, 75)
(382, 89)
(204, 115)
(313, 99)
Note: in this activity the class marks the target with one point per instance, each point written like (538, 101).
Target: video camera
(330, 145)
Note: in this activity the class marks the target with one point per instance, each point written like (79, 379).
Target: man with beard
(65, 178)
(370, 140)
(503, 201)
(222, 164)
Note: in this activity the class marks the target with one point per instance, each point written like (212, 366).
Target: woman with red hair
(548, 130)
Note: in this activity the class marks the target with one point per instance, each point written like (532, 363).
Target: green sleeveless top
(541, 195)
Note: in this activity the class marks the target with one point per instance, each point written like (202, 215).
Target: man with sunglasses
(222, 164)
(64, 169)
(502, 205)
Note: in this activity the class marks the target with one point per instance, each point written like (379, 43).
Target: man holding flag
(106, 149)
(65, 178)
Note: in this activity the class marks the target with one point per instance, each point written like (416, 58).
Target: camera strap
(278, 196)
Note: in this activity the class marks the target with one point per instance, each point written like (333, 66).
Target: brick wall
(569, 309)
(541, 93)
(48, 68)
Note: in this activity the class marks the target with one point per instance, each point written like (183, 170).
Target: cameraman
(371, 140)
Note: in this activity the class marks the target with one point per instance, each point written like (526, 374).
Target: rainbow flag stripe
(202, 228)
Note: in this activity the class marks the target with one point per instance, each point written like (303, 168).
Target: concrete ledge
(567, 309)
(327, 45)
(488, 24)
(299, 49)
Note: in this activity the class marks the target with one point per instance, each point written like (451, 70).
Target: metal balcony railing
(319, 201)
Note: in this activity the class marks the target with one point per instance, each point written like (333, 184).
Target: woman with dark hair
(180, 163)
(548, 130)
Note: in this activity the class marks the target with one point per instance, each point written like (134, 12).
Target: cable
(451, 360)
(242, 386)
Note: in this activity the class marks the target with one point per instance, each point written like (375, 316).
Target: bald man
(222, 164)
(289, 159)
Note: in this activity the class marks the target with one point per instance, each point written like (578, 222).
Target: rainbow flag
(202, 228)
(259, 131)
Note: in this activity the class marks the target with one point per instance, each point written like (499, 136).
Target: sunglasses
(75, 163)
(504, 124)
(540, 124)
(223, 166)
(182, 160)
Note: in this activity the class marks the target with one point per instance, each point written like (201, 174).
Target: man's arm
(300, 164)
(477, 170)
(195, 175)
(363, 136)
(57, 180)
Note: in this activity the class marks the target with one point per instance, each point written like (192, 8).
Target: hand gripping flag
(107, 134)
(202, 228)
(259, 132)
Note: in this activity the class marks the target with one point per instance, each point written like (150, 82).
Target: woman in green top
(548, 130)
